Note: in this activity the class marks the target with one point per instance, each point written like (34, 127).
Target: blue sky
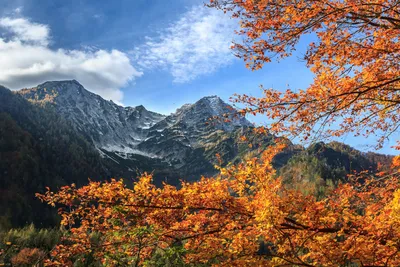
(159, 53)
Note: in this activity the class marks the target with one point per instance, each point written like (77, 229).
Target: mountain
(324, 165)
(59, 133)
(108, 125)
(38, 148)
(183, 145)
(134, 139)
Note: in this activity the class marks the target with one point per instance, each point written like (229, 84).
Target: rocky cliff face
(181, 145)
(181, 142)
(106, 124)
(65, 134)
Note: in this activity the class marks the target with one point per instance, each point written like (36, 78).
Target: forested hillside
(38, 148)
(43, 146)
(203, 185)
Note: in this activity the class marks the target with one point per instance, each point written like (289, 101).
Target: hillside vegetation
(38, 149)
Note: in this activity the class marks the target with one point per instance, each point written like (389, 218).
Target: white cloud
(24, 30)
(197, 44)
(18, 10)
(27, 60)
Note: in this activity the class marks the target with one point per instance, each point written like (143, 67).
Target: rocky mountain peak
(198, 114)
(107, 124)
(127, 131)
(141, 108)
(3, 88)
(64, 86)
(61, 82)
(51, 90)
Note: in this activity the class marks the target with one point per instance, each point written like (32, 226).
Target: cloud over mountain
(28, 59)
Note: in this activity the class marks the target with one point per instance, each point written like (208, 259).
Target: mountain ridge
(53, 140)
(38, 148)
(127, 131)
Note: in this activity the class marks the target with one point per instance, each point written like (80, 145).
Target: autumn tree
(242, 217)
(354, 54)
(246, 216)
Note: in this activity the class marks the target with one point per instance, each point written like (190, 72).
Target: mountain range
(182, 144)
(59, 133)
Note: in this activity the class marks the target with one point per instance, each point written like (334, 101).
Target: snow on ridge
(123, 130)
(124, 152)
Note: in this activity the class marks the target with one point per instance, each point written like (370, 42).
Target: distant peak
(61, 82)
(4, 90)
(212, 101)
(211, 97)
(140, 107)
(50, 90)
(65, 87)
(2, 87)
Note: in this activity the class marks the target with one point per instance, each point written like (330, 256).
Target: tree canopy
(353, 53)
(242, 217)
(246, 216)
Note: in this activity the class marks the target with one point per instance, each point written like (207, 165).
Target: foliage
(28, 257)
(353, 54)
(248, 215)
(27, 245)
(37, 149)
(243, 217)
(306, 173)
(332, 161)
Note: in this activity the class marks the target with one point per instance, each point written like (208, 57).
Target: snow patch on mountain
(135, 130)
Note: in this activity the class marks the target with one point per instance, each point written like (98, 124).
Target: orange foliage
(243, 217)
(28, 257)
(354, 56)
(246, 216)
